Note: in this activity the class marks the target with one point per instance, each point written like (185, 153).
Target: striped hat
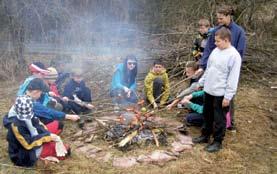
(38, 67)
(24, 107)
(52, 75)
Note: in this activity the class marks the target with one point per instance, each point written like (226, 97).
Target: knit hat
(52, 74)
(24, 107)
(37, 67)
(38, 84)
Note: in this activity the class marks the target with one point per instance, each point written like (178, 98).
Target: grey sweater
(222, 74)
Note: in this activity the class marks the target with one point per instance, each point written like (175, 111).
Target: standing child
(220, 82)
(156, 85)
(201, 40)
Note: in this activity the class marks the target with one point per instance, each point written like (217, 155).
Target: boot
(201, 139)
(214, 147)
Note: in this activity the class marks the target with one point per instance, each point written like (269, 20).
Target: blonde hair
(204, 22)
(192, 64)
(224, 33)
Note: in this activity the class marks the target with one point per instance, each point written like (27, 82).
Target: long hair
(129, 77)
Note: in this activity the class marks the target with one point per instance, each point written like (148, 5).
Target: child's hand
(169, 107)
(72, 117)
(52, 94)
(155, 105)
(90, 106)
(198, 72)
(66, 99)
(225, 102)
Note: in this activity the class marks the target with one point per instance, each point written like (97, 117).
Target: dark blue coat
(238, 41)
(22, 146)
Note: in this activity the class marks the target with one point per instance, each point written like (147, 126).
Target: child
(191, 68)
(56, 101)
(76, 95)
(123, 88)
(201, 39)
(220, 82)
(28, 139)
(194, 102)
(50, 117)
(156, 85)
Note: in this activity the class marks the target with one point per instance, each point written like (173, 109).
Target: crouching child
(28, 138)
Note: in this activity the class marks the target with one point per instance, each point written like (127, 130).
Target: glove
(60, 149)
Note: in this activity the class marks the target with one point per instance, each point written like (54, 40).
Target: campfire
(135, 126)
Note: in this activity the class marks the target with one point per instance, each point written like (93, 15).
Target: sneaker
(201, 139)
(214, 147)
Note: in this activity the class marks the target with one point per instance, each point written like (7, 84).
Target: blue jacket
(40, 111)
(117, 81)
(238, 41)
(22, 146)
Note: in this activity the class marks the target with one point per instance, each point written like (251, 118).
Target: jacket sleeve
(44, 112)
(207, 51)
(148, 85)
(198, 94)
(116, 81)
(27, 141)
(196, 107)
(241, 43)
(233, 78)
(166, 90)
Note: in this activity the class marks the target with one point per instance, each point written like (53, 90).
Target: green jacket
(148, 86)
(196, 107)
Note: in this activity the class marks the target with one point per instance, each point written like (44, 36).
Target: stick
(155, 138)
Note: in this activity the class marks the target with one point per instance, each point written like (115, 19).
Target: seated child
(56, 101)
(28, 140)
(77, 96)
(123, 88)
(201, 39)
(194, 102)
(191, 68)
(50, 117)
(156, 85)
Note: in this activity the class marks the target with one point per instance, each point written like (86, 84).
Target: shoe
(214, 147)
(201, 139)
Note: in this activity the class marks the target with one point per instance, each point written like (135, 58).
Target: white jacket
(222, 74)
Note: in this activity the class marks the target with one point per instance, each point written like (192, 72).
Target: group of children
(214, 76)
(34, 122)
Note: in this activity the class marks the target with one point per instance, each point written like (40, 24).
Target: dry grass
(251, 150)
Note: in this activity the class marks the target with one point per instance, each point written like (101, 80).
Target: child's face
(189, 71)
(77, 78)
(131, 64)
(223, 19)
(158, 68)
(35, 94)
(221, 43)
(203, 29)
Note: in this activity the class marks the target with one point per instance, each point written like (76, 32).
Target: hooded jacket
(148, 85)
(22, 146)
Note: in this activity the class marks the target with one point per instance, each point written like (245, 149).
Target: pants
(195, 119)
(232, 112)
(214, 116)
(158, 89)
(49, 149)
(119, 96)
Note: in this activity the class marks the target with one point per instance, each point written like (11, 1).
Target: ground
(252, 149)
